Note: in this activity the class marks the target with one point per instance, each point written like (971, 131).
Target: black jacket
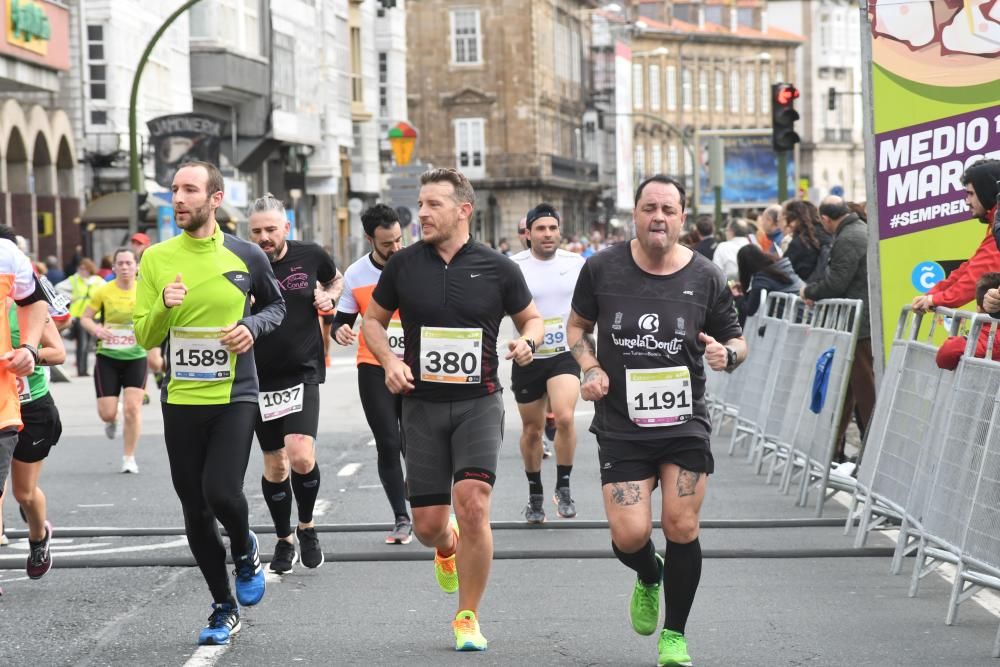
(805, 259)
(846, 274)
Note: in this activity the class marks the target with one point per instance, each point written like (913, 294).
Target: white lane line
(369, 486)
(98, 505)
(7, 581)
(321, 507)
(114, 550)
(371, 443)
(349, 470)
(206, 656)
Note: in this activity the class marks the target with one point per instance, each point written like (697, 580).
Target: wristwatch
(530, 342)
(731, 358)
(33, 350)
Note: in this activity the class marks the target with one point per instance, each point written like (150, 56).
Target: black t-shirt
(474, 291)
(645, 321)
(293, 352)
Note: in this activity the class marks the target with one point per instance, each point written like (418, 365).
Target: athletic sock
(534, 482)
(562, 476)
(643, 561)
(306, 489)
(681, 574)
(278, 496)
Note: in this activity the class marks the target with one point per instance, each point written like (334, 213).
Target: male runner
(290, 368)
(120, 365)
(382, 408)
(451, 293)
(659, 309)
(554, 375)
(195, 291)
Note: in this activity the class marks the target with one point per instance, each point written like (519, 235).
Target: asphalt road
(778, 587)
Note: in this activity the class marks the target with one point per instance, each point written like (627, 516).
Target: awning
(114, 209)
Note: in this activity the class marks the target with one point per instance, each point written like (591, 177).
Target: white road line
(321, 507)
(7, 581)
(114, 550)
(98, 505)
(371, 443)
(349, 470)
(369, 486)
(206, 656)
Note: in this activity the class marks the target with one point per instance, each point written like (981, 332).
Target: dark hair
(118, 251)
(806, 217)
(463, 189)
(379, 215)
(835, 210)
(215, 183)
(705, 225)
(750, 260)
(541, 211)
(986, 282)
(665, 180)
(858, 209)
(7, 232)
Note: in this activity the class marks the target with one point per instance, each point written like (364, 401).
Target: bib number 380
(659, 396)
(451, 355)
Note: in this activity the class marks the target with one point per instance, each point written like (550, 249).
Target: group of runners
(244, 353)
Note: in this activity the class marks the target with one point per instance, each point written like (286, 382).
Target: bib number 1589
(189, 357)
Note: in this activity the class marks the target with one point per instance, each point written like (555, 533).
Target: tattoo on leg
(626, 493)
(687, 481)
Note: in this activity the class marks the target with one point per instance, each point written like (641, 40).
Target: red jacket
(959, 288)
(951, 350)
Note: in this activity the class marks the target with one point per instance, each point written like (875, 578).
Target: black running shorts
(113, 375)
(271, 434)
(41, 432)
(633, 461)
(529, 382)
(447, 442)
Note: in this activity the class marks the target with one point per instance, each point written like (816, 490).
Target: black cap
(541, 211)
(983, 177)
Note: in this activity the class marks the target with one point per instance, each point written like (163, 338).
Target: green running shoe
(644, 609)
(673, 650)
(467, 634)
(445, 569)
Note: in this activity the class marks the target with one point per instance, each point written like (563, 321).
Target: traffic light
(783, 116)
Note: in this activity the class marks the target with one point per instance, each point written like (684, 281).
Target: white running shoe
(129, 465)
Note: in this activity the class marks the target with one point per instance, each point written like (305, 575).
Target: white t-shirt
(725, 256)
(551, 283)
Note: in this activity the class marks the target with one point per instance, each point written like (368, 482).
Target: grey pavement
(776, 594)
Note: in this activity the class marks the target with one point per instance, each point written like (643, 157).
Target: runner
(553, 378)
(290, 368)
(42, 428)
(660, 310)
(120, 367)
(451, 293)
(382, 408)
(195, 290)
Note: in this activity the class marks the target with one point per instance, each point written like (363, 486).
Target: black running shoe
(39, 557)
(284, 557)
(309, 548)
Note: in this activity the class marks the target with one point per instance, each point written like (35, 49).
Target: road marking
(180, 542)
(371, 443)
(321, 507)
(7, 581)
(98, 505)
(369, 486)
(349, 470)
(206, 656)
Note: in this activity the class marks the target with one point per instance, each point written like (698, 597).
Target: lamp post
(134, 170)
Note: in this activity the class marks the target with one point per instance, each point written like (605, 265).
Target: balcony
(227, 77)
(573, 170)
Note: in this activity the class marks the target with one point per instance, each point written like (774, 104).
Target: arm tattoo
(583, 346)
(687, 481)
(626, 493)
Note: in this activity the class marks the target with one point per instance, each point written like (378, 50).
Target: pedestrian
(770, 231)
(953, 348)
(78, 287)
(846, 277)
(195, 291)
(54, 274)
(706, 229)
(760, 273)
(662, 312)
(290, 367)
(738, 233)
(138, 243)
(452, 406)
(120, 368)
(383, 409)
(809, 249)
(551, 382)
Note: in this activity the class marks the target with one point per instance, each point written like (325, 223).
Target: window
(713, 14)
(839, 32)
(98, 117)
(654, 87)
(575, 57)
(672, 159)
(656, 159)
(734, 91)
(751, 95)
(97, 68)
(744, 17)
(283, 59)
(465, 40)
(765, 91)
(357, 76)
(720, 94)
(825, 38)
(383, 83)
(561, 50)
(703, 90)
(235, 23)
(95, 42)
(470, 146)
(686, 91)
(640, 162)
(637, 101)
(688, 167)
(671, 88)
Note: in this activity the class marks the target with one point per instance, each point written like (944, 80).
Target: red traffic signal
(783, 116)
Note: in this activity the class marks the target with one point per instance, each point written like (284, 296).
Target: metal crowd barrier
(767, 398)
(933, 457)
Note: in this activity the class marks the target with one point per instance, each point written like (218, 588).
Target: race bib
(659, 396)
(554, 341)
(395, 333)
(23, 389)
(451, 355)
(281, 402)
(196, 354)
(122, 337)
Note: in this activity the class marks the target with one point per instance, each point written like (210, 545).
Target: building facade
(500, 91)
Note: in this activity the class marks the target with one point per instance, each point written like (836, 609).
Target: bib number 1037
(659, 396)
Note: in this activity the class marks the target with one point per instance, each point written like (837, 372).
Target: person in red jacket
(952, 349)
(959, 288)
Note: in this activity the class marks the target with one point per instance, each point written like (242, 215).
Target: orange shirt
(17, 281)
(359, 283)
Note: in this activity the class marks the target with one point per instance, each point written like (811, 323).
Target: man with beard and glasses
(662, 311)
(382, 408)
(451, 293)
(554, 375)
(195, 291)
(290, 368)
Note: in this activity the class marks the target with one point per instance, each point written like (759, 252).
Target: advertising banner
(750, 171)
(181, 138)
(934, 96)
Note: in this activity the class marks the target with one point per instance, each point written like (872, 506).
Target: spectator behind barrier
(737, 235)
(959, 288)
(706, 229)
(770, 232)
(951, 350)
(809, 249)
(761, 271)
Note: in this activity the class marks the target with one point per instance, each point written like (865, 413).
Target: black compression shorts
(271, 434)
(41, 432)
(632, 461)
(113, 375)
